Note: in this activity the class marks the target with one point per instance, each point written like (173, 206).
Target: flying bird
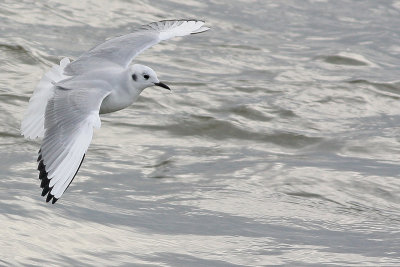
(65, 106)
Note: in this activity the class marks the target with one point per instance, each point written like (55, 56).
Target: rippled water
(279, 144)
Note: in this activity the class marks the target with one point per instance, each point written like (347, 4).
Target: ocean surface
(279, 144)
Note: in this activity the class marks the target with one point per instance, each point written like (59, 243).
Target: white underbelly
(115, 102)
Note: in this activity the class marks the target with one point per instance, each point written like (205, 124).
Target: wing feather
(120, 51)
(32, 125)
(70, 118)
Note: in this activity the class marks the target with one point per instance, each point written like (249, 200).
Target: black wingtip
(45, 181)
(49, 197)
(41, 166)
(45, 184)
(46, 189)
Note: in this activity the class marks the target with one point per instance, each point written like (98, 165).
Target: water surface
(279, 144)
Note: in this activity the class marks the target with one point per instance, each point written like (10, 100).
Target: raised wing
(32, 125)
(123, 49)
(70, 118)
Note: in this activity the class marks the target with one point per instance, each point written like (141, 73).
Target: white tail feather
(32, 125)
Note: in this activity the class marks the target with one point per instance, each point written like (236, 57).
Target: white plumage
(32, 125)
(65, 106)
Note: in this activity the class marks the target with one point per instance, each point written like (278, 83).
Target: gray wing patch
(70, 118)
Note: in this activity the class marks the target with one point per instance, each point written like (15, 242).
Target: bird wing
(123, 49)
(32, 126)
(71, 115)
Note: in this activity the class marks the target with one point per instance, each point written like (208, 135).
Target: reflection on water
(278, 144)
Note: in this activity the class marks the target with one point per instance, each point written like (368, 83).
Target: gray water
(279, 144)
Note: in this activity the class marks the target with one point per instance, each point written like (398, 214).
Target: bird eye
(134, 77)
(146, 76)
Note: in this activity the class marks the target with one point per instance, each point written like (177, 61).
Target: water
(279, 144)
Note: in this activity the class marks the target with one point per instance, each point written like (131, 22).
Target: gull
(65, 106)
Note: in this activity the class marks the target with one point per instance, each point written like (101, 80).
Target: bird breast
(117, 100)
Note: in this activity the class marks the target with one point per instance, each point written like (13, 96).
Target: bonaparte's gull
(66, 104)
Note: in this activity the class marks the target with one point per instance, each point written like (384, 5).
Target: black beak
(163, 85)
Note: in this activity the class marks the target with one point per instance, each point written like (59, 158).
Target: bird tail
(32, 125)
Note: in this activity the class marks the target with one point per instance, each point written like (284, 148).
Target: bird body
(122, 91)
(66, 104)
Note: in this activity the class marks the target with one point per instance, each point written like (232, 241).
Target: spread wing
(123, 49)
(71, 115)
(32, 126)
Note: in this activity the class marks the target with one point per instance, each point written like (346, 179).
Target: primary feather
(123, 49)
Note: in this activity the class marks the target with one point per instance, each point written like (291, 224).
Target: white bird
(66, 104)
